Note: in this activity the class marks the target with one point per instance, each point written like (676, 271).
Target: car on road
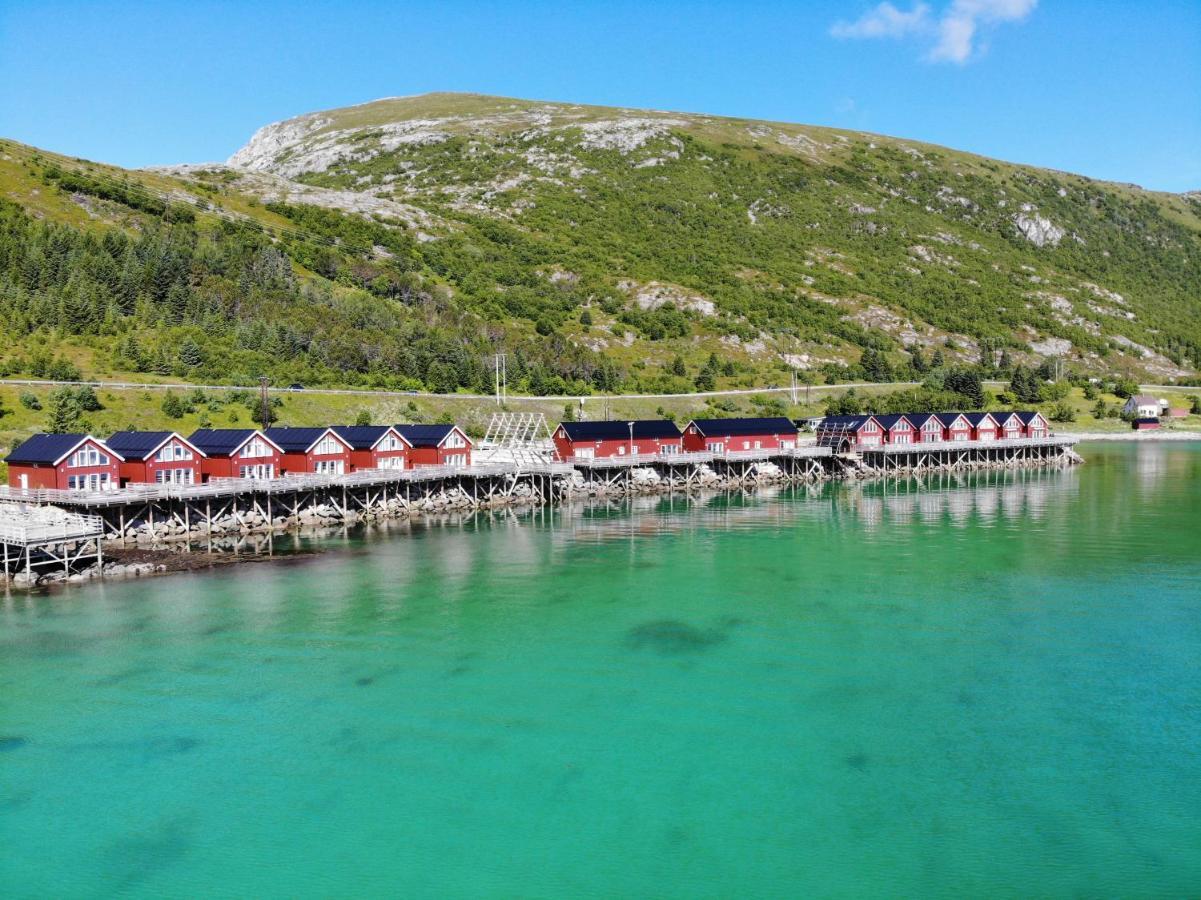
(296, 386)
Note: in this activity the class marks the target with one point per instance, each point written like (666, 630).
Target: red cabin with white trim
(237, 453)
(157, 457)
(740, 435)
(607, 438)
(1036, 424)
(1012, 427)
(955, 426)
(898, 429)
(437, 445)
(375, 447)
(64, 462)
(985, 426)
(311, 451)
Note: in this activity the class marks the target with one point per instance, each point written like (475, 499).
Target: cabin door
(24, 482)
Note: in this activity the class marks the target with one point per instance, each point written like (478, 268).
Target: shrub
(30, 400)
(1063, 412)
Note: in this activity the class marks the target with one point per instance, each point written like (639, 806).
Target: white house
(1144, 406)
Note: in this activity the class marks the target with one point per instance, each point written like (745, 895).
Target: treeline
(225, 302)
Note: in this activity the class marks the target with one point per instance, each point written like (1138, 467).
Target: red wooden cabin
(156, 457)
(955, 426)
(603, 439)
(739, 435)
(1012, 427)
(236, 453)
(437, 445)
(65, 462)
(898, 429)
(1035, 424)
(985, 426)
(306, 451)
(375, 447)
(927, 428)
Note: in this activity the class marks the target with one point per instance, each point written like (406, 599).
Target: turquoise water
(986, 686)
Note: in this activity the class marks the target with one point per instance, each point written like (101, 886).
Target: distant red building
(375, 447)
(237, 453)
(156, 457)
(309, 451)
(1147, 423)
(740, 435)
(65, 462)
(607, 438)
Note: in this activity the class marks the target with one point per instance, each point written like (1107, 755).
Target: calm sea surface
(983, 686)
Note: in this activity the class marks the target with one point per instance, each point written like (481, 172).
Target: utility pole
(497, 361)
(265, 400)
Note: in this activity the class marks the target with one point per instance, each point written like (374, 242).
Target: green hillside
(402, 243)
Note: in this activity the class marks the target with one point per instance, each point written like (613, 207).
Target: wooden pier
(958, 455)
(37, 540)
(231, 506)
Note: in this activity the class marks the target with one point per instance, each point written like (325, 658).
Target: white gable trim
(404, 439)
(95, 440)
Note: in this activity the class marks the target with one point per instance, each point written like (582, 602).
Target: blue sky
(1111, 90)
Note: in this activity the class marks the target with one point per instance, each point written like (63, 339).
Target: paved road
(137, 385)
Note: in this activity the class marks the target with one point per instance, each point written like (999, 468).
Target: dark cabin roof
(850, 423)
(1028, 415)
(220, 441)
(140, 444)
(295, 440)
(949, 418)
(619, 430)
(920, 419)
(49, 448)
(732, 427)
(362, 437)
(888, 421)
(977, 417)
(1147, 420)
(425, 435)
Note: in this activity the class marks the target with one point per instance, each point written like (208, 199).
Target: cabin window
(87, 456)
(457, 460)
(172, 452)
(392, 462)
(787, 445)
(669, 449)
(259, 471)
(328, 445)
(454, 439)
(329, 466)
(175, 476)
(256, 448)
(391, 442)
(94, 482)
